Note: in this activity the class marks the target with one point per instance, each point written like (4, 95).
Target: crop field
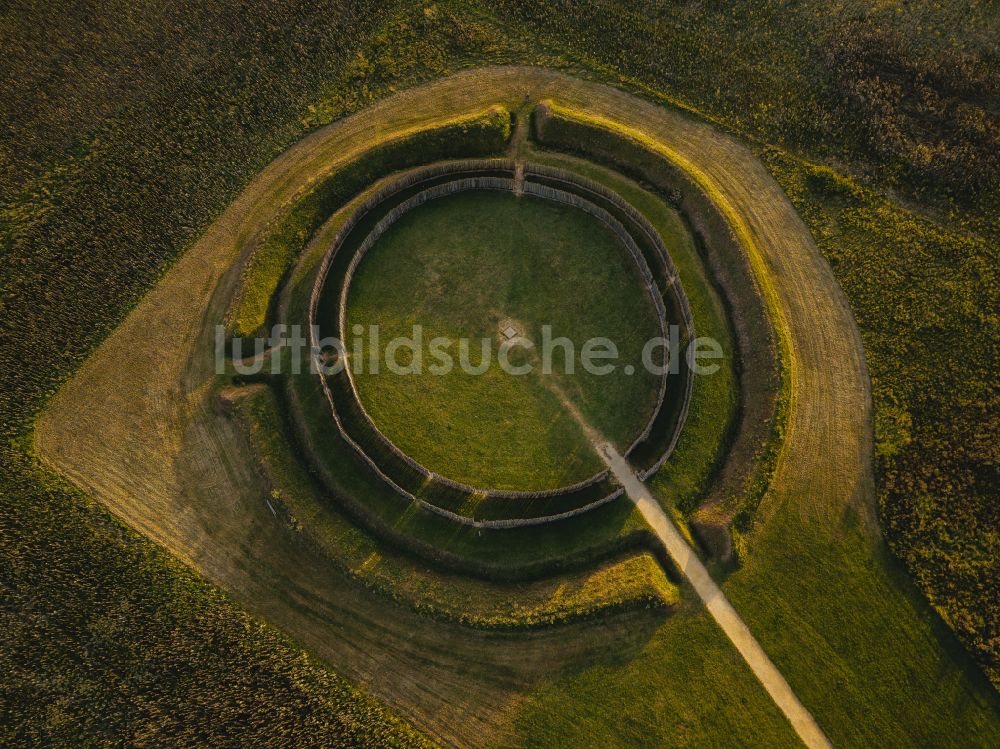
(216, 530)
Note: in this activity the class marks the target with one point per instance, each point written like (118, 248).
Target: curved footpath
(141, 434)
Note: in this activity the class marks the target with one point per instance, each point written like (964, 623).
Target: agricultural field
(212, 534)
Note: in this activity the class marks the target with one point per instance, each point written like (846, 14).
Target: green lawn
(872, 665)
(469, 266)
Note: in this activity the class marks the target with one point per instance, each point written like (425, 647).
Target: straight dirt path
(715, 601)
(711, 594)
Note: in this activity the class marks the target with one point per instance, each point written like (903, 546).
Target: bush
(939, 115)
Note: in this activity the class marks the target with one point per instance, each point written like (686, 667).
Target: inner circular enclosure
(489, 266)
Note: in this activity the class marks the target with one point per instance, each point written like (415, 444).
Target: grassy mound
(500, 555)
(472, 266)
(276, 249)
(624, 581)
(884, 679)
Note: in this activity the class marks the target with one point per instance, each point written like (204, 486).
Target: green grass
(106, 198)
(843, 603)
(633, 581)
(852, 606)
(466, 267)
(687, 687)
(515, 553)
(480, 134)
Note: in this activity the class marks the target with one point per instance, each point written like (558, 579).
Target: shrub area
(937, 115)
(907, 94)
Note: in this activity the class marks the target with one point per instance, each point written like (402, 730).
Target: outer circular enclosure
(464, 503)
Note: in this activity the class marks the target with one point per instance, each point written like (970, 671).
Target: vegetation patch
(937, 114)
(619, 584)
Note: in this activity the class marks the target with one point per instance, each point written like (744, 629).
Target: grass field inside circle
(489, 267)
